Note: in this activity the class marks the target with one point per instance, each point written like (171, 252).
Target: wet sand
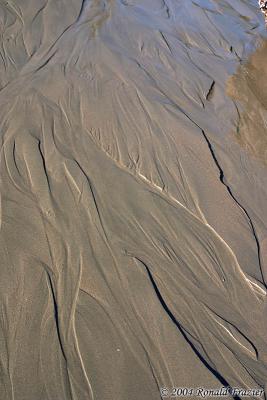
(133, 198)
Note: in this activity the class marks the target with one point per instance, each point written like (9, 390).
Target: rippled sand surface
(133, 197)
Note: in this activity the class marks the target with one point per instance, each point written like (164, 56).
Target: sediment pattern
(133, 198)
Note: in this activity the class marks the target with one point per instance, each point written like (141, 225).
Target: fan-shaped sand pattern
(133, 223)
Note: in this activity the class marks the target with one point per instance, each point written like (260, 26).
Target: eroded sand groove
(133, 217)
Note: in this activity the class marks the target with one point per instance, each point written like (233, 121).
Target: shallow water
(133, 200)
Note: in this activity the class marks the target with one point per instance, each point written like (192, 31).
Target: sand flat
(133, 198)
